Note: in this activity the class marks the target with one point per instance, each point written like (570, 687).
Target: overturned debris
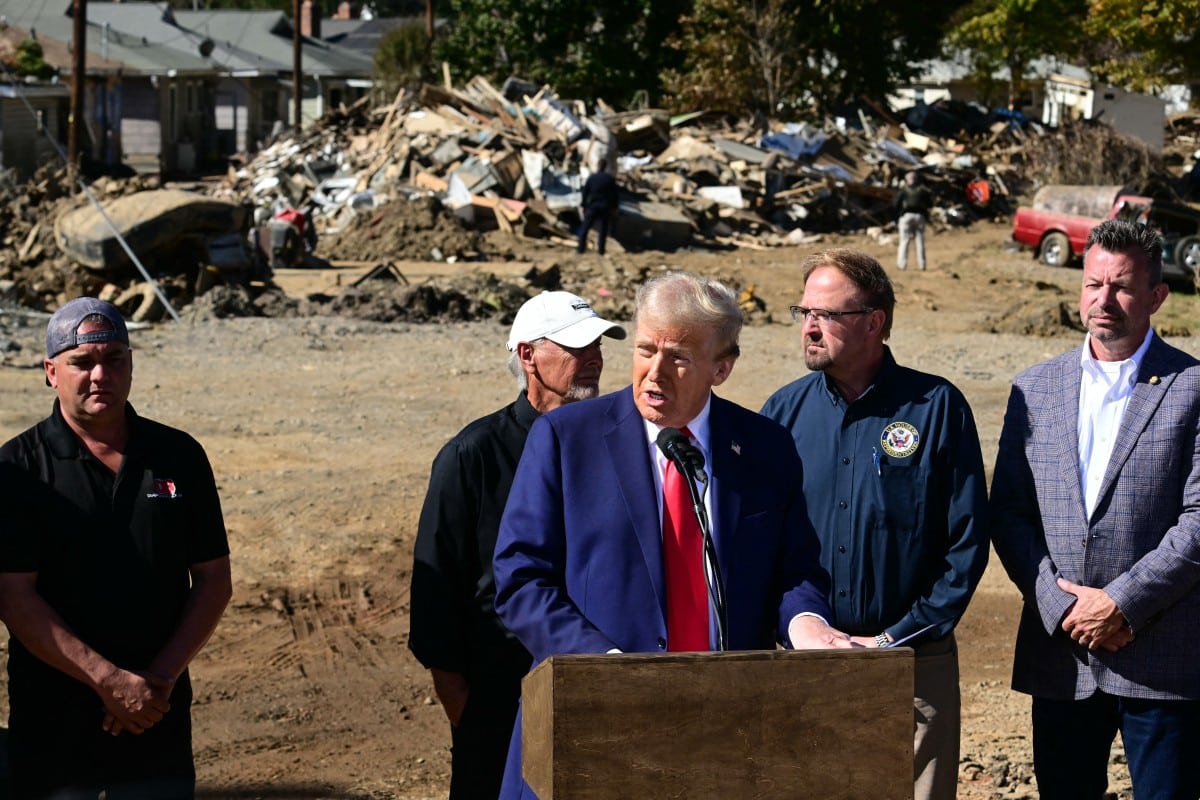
(460, 174)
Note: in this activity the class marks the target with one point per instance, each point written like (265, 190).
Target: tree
(736, 55)
(397, 8)
(776, 55)
(402, 57)
(868, 47)
(582, 49)
(1012, 33)
(26, 58)
(1143, 44)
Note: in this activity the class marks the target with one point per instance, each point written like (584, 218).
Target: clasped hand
(134, 701)
(1094, 620)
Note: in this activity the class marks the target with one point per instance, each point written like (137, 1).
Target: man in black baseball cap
(114, 570)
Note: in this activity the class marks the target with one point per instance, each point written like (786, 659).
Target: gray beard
(577, 392)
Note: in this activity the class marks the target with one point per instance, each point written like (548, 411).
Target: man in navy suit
(579, 562)
(1096, 517)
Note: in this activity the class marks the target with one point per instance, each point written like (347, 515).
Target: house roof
(363, 35)
(109, 48)
(263, 40)
(54, 52)
(149, 38)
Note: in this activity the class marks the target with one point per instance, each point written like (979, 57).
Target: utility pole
(297, 78)
(78, 68)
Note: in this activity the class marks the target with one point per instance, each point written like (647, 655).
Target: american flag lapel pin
(736, 448)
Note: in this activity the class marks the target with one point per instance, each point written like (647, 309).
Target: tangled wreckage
(454, 174)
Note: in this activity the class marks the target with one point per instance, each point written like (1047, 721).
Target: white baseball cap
(563, 318)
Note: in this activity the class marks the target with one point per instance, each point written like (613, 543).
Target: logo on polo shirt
(900, 440)
(164, 488)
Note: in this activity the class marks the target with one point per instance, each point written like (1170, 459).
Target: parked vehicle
(1058, 222)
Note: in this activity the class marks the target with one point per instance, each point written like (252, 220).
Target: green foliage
(402, 58)
(736, 56)
(27, 59)
(780, 56)
(716, 71)
(867, 47)
(397, 8)
(1143, 44)
(1012, 33)
(583, 49)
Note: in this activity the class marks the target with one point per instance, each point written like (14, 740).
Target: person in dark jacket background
(600, 202)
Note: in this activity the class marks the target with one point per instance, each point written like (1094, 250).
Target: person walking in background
(912, 204)
(477, 665)
(1096, 518)
(599, 206)
(895, 488)
(594, 554)
(114, 571)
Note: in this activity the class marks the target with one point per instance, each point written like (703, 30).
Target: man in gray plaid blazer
(1096, 517)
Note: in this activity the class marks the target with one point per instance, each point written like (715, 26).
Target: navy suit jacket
(578, 560)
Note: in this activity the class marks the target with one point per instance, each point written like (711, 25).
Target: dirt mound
(420, 228)
(232, 300)
(1040, 310)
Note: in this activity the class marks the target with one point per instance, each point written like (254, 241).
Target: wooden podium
(755, 724)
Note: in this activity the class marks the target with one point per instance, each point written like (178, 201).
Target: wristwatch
(882, 640)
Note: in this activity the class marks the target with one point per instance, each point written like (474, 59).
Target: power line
(20, 93)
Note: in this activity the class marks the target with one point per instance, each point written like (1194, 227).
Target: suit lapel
(1066, 426)
(628, 451)
(1143, 402)
(727, 478)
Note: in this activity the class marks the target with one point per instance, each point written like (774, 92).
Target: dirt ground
(321, 431)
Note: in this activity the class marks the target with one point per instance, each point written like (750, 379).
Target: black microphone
(678, 448)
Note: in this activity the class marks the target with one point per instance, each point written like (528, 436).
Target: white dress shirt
(1104, 392)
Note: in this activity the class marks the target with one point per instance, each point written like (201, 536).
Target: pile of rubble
(515, 161)
(460, 174)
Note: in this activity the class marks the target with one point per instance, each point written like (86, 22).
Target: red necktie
(683, 560)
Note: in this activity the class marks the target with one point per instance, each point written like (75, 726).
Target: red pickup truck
(1057, 224)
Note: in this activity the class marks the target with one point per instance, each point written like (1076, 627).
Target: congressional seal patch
(900, 440)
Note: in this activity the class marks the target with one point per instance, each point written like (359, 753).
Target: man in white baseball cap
(476, 664)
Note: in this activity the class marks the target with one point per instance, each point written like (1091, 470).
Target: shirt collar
(885, 375)
(1130, 366)
(65, 444)
(698, 427)
(524, 411)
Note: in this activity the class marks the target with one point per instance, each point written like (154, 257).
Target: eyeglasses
(823, 315)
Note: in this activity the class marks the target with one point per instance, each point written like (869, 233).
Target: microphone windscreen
(671, 439)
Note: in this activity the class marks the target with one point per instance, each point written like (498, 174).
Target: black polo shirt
(453, 617)
(111, 552)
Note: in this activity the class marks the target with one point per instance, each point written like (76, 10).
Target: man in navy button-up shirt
(894, 482)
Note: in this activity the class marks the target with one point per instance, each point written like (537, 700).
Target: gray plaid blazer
(1141, 545)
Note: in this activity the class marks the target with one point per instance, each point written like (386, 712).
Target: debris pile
(505, 160)
(473, 174)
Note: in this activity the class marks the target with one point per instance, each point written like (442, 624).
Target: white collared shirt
(701, 438)
(1104, 393)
